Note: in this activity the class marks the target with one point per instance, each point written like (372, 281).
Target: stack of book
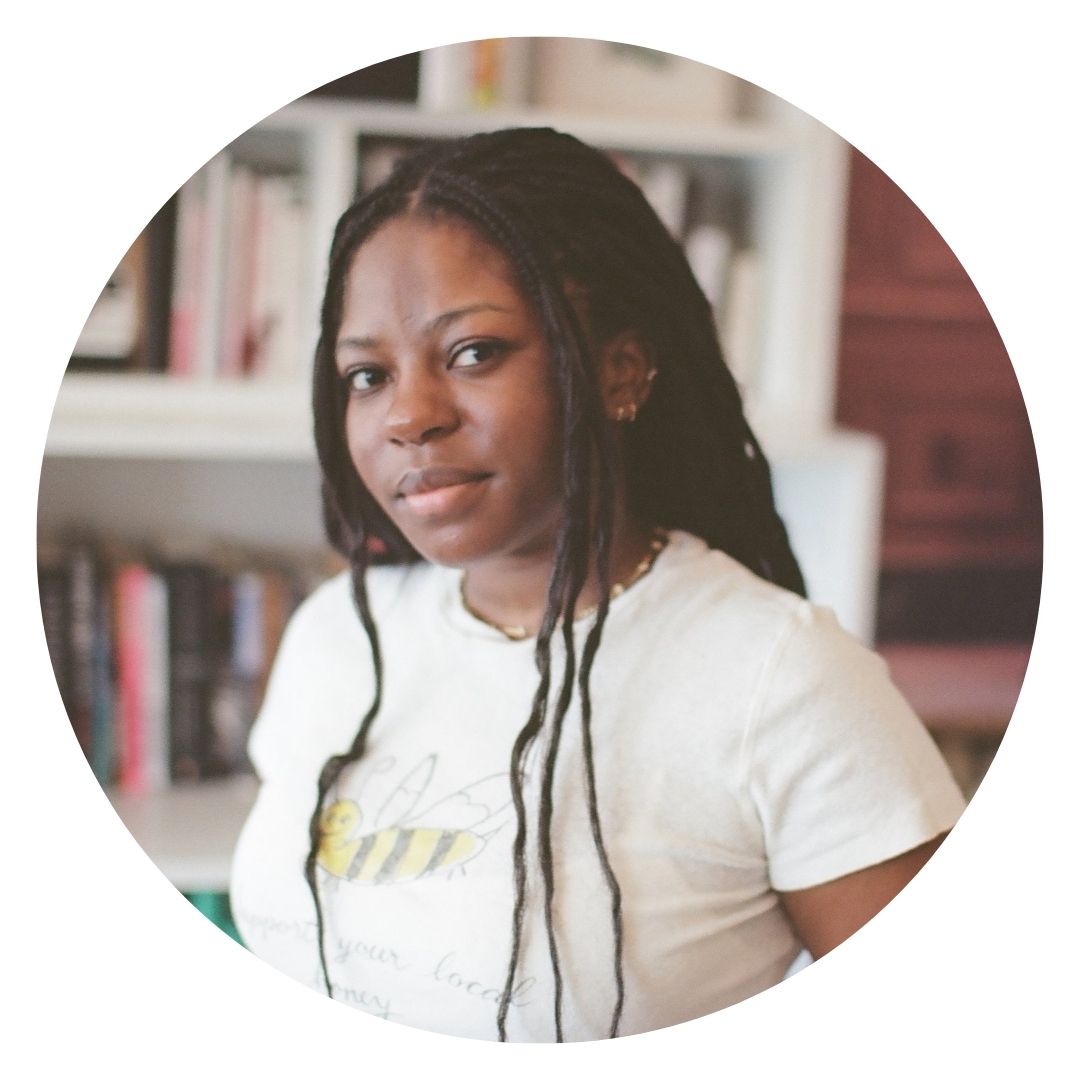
(162, 664)
(215, 284)
(238, 287)
(730, 273)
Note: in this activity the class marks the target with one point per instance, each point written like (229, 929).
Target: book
(141, 632)
(174, 653)
(483, 74)
(103, 760)
(110, 338)
(160, 236)
(74, 589)
(275, 341)
(199, 270)
(190, 214)
(190, 588)
(235, 350)
(740, 318)
(82, 630)
(445, 77)
(53, 593)
(614, 79)
(708, 250)
(213, 266)
(666, 184)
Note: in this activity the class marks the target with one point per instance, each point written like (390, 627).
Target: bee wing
(471, 806)
(401, 802)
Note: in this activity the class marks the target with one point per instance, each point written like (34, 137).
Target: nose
(422, 408)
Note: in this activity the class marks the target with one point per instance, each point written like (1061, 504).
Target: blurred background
(179, 517)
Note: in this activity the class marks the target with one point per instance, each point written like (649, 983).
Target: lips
(420, 481)
(439, 492)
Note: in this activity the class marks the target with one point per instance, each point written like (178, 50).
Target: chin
(451, 548)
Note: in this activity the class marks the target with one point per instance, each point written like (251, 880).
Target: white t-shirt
(743, 744)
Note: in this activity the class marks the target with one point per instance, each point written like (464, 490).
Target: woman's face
(451, 419)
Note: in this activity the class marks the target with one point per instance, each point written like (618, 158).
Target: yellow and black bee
(395, 849)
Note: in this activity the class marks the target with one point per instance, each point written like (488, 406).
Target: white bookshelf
(157, 417)
(189, 831)
(790, 175)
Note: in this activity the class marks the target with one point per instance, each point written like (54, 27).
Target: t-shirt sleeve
(841, 772)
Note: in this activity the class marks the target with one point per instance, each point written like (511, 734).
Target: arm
(825, 915)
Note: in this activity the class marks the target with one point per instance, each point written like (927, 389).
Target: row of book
(218, 285)
(729, 273)
(576, 75)
(239, 286)
(162, 663)
(215, 286)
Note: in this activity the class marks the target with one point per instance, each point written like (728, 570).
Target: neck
(512, 592)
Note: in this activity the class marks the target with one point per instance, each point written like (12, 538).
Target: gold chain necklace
(520, 633)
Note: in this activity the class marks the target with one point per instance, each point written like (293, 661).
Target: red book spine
(130, 593)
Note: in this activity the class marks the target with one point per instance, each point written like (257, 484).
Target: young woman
(578, 760)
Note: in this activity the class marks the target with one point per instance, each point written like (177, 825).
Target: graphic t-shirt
(744, 744)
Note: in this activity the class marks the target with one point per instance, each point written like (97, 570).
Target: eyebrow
(437, 323)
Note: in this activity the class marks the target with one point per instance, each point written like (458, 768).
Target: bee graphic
(401, 845)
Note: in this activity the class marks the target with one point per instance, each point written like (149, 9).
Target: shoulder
(799, 673)
(703, 598)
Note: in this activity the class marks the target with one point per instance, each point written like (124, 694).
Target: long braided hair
(563, 215)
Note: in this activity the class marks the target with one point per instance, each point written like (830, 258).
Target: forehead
(411, 269)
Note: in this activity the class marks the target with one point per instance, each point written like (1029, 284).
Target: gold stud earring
(620, 414)
(632, 409)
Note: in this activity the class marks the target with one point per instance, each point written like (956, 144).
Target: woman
(579, 761)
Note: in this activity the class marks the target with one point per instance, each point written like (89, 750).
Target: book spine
(160, 256)
(83, 602)
(446, 77)
(223, 718)
(213, 268)
(247, 660)
(708, 250)
(155, 682)
(186, 277)
(103, 698)
(189, 668)
(129, 589)
(54, 594)
(239, 259)
(666, 185)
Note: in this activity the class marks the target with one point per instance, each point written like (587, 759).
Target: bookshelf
(144, 456)
(786, 177)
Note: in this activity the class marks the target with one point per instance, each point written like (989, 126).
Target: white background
(108, 107)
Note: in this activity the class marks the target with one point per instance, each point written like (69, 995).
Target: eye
(476, 352)
(362, 379)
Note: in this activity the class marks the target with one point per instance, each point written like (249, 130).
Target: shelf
(160, 417)
(737, 138)
(190, 831)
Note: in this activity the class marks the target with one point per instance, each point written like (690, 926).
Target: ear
(626, 371)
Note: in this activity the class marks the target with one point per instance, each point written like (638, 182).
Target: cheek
(362, 450)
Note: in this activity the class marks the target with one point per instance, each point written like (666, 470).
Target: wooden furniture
(922, 365)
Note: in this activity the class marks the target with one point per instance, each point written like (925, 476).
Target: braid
(335, 765)
(563, 215)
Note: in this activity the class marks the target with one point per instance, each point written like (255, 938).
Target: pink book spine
(130, 669)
